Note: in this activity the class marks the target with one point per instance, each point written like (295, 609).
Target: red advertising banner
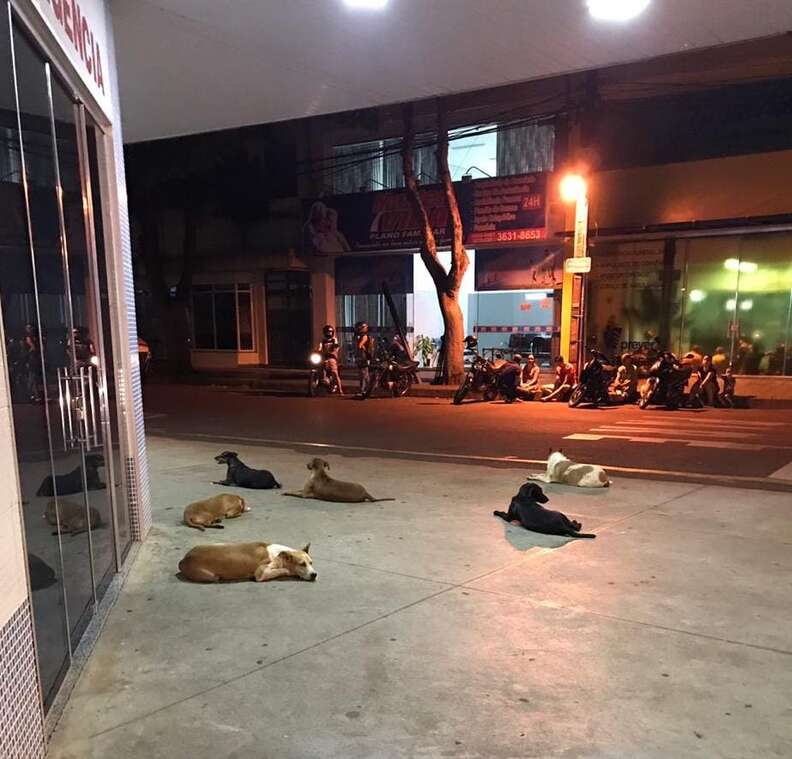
(495, 213)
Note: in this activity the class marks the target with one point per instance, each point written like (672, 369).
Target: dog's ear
(307, 548)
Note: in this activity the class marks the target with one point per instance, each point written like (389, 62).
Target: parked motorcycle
(666, 383)
(594, 381)
(320, 379)
(392, 372)
(481, 376)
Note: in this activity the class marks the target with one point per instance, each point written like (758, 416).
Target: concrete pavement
(435, 629)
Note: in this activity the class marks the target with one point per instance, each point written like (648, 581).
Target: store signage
(579, 265)
(507, 211)
(81, 31)
(495, 213)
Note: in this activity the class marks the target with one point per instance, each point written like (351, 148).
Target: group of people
(25, 358)
(713, 382)
(365, 349)
(522, 381)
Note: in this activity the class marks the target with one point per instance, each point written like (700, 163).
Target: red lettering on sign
(98, 71)
(67, 19)
(87, 45)
(57, 6)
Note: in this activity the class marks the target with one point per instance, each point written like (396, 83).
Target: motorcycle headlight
(315, 359)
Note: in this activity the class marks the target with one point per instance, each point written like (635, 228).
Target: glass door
(56, 352)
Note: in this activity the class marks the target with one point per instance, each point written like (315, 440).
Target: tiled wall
(21, 722)
(21, 725)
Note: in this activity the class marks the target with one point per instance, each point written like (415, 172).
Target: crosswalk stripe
(639, 430)
(691, 443)
(784, 473)
(698, 421)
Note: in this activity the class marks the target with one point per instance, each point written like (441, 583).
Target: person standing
(31, 363)
(364, 357)
(329, 349)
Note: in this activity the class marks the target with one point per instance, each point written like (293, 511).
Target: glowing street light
(616, 10)
(367, 5)
(573, 187)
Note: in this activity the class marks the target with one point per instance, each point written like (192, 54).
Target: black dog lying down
(525, 507)
(71, 482)
(243, 476)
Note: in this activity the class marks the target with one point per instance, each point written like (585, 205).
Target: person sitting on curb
(705, 389)
(726, 396)
(565, 380)
(509, 379)
(529, 384)
(625, 386)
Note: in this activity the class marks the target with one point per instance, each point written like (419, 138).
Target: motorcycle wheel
(577, 396)
(313, 384)
(461, 392)
(401, 386)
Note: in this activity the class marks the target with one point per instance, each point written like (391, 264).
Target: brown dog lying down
(246, 561)
(210, 511)
(322, 486)
(72, 516)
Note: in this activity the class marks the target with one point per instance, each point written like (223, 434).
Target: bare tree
(447, 283)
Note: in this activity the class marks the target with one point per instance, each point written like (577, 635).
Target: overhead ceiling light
(368, 5)
(616, 10)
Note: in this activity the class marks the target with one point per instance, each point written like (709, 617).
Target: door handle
(65, 407)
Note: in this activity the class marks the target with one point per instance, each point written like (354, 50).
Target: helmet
(328, 331)
(471, 342)
(361, 328)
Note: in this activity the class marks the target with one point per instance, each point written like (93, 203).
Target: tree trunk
(454, 325)
(447, 283)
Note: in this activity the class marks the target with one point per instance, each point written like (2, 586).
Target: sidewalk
(436, 630)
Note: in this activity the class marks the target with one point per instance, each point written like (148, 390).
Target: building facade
(72, 456)
(685, 158)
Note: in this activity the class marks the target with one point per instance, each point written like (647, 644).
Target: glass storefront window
(728, 296)
(222, 317)
(738, 298)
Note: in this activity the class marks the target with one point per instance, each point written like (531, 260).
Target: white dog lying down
(561, 469)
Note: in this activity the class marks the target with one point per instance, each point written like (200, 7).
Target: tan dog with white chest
(246, 561)
(323, 487)
(210, 511)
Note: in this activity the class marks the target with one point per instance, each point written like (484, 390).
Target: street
(713, 443)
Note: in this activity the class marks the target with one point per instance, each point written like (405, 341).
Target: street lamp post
(574, 190)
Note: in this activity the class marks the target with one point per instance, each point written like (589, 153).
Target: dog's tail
(582, 535)
(379, 500)
(195, 525)
(502, 514)
(43, 487)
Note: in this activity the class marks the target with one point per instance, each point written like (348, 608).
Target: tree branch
(428, 249)
(459, 257)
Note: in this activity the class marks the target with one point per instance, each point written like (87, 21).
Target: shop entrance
(288, 298)
(55, 309)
